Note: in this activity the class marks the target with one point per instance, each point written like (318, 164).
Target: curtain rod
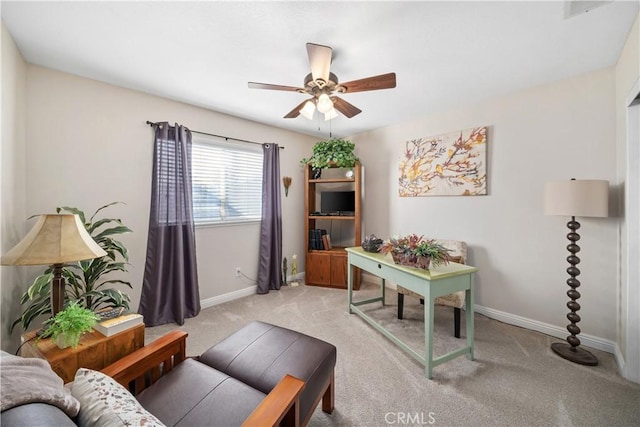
(219, 136)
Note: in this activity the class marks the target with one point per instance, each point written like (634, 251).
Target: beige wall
(558, 131)
(12, 188)
(96, 134)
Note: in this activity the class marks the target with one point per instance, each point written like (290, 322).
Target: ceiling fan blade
(383, 81)
(349, 110)
(319, 60)
(253, 85)
(296, 111)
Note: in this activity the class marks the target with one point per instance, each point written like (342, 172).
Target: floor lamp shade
(588, 198)
(54, 240)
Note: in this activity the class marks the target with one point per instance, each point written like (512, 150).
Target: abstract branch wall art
(452, 164)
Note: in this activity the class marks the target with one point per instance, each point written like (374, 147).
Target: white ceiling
(445, 54)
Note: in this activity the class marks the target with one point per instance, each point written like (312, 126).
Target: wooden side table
(95, 351)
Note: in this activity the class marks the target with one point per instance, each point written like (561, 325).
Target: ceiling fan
(323, 86)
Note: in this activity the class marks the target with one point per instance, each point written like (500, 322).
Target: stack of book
(118, 324)
(315, 239)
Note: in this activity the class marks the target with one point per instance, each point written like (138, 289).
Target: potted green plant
(334, 152)
(85, 280)
(414, 251)
(66, 327)
(430, 252)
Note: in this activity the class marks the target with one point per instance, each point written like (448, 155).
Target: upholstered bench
(248, 363)
(260, 354)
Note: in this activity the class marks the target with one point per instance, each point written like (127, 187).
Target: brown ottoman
(260, 354)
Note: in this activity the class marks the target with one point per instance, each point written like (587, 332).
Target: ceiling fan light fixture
(330, 115)
(322, 86)
(324, 103)
(308, 110)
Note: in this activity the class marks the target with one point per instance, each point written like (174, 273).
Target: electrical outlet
(237, 271)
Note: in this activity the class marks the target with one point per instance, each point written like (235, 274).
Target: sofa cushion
(35, 415)
(104, 402)
(261, 354)
(29, 380)
(206, 397)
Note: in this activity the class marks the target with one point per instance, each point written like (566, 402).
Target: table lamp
(54, 240)
(587, 198)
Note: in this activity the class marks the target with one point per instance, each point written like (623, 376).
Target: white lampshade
(324, 103)
(308, 110)
(330, 115)
(588, 198)
(54, 239)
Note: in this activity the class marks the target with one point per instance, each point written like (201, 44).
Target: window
(227, 181)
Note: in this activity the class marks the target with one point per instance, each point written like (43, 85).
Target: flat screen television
(338, 201)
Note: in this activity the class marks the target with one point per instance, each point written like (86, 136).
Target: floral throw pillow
(104, 402)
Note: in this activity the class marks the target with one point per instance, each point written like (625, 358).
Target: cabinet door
(318, 269)
(339, 271)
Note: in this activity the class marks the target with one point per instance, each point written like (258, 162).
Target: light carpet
(515, 379)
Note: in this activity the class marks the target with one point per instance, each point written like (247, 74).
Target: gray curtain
(170, 285)
(269, 276)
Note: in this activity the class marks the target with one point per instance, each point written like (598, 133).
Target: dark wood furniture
(95, 351)
(146, 366)
(329, 267)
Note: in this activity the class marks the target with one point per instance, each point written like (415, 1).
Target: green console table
(431, 284)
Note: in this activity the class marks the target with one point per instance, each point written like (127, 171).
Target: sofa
(262, 375)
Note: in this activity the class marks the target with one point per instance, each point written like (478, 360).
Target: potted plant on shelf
(334, 152)
(69, 325)
(414, 251)
(85, 280)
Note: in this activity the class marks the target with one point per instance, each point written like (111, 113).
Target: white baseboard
(298, 277)
(210, 302)
(534, 325)
(545, 328)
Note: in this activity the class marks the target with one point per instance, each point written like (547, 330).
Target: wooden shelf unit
(329, 267)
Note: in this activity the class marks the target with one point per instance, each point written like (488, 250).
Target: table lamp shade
(54, 239)
(587, 198)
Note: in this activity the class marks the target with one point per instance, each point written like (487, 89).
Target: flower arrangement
(415, 251)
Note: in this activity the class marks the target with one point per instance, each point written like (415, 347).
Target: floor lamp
(587, 198)
(54, 240)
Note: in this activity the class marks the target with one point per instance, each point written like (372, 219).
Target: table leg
(349, 284)
(428, 334)
(384, 287)
(470, 317)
